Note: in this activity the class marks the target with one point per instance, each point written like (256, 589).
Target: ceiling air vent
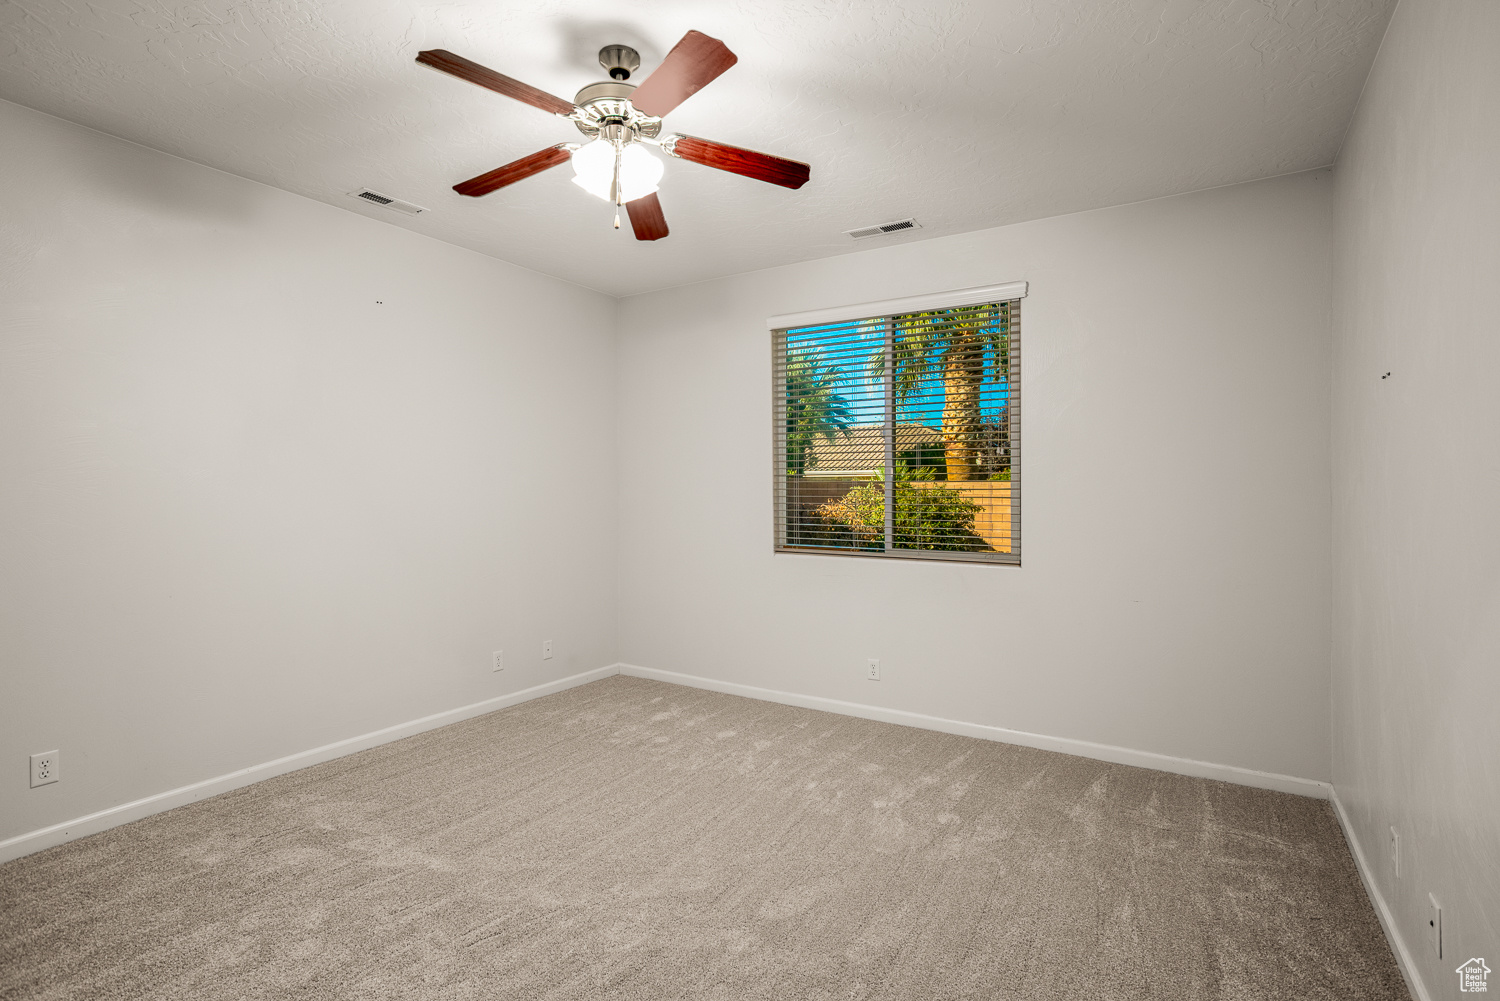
(864, 233)
(386, 201)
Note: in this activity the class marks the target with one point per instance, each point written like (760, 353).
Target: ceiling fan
(621, 119)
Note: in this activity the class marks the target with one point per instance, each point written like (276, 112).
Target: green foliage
(814, 407)
(928, 517)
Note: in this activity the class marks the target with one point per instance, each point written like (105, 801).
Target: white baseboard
(35, 841)
(1382, 910)
(1065, 745)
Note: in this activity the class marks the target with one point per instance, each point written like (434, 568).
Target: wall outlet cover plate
(46, 768)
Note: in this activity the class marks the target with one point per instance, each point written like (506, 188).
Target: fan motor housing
(607, 90)
(608, 103)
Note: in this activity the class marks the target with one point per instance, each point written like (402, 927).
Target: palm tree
(966, 347)
(814, 407)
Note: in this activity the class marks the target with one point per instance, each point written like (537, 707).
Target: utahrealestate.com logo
(1472, 976)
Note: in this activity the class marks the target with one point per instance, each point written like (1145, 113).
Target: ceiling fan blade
(518, 170)
(761, 166)
(465, 69)
(646, 218)
(693, 64)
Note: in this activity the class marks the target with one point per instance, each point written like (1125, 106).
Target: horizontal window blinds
(899, 435)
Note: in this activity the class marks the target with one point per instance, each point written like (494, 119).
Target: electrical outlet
(546, 649)
(872, 669)
(1396, 852)
(46, 768)
(1435, 925)
(497, 660)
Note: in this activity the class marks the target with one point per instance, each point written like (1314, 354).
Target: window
(898, 428)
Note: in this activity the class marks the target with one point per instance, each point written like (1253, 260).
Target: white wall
(1416, 473)
(245, 510)
(1175, 592)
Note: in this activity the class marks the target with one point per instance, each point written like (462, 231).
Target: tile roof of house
(863, 448)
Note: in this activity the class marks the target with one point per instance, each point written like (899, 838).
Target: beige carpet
(631, 839)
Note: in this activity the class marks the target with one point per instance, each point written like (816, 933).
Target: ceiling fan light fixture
(594, 170)
(618, 115)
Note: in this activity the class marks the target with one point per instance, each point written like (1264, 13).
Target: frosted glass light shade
(640, 172)
(594, 167)
(594, 170)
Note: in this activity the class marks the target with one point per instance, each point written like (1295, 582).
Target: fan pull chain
(619, 152)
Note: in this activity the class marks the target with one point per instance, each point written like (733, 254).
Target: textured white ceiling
(962, 114)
